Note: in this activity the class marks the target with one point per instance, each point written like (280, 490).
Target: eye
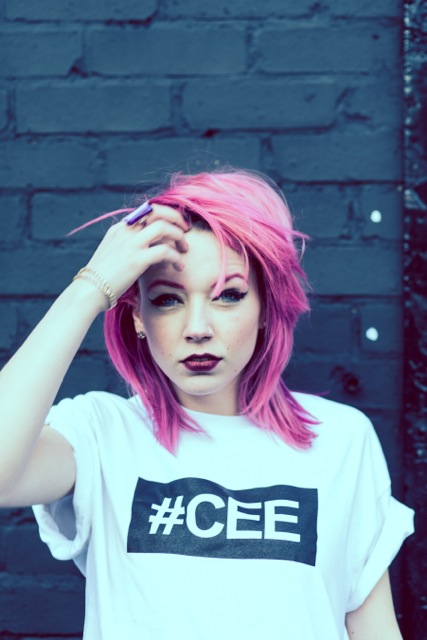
(231, 295)
(165, 300)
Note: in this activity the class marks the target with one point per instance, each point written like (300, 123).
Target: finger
(161, 231)
(164, 253)
(169, 214)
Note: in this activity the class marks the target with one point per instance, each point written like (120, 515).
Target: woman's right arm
(28, 386)
(36, 464)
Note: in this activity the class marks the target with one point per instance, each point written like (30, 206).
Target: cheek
(158, 327)
(158, 339)
(244, 334)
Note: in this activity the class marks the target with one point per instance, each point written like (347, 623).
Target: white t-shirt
(238, 535)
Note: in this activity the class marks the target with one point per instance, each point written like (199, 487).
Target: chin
(199, 389)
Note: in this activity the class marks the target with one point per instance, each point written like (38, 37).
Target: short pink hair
(248, 213)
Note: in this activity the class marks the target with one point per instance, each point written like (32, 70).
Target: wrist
(86, 295)
(95, 278)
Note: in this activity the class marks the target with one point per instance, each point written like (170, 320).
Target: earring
(141, 335)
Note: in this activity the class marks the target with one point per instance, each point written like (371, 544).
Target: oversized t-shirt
(237, 535)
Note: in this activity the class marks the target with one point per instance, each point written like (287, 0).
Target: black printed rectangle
(197, 517)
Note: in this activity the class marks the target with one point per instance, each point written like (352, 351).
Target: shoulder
(324, 409)
(334, 418)
(346, 433)
(98, 408)
(108, 401)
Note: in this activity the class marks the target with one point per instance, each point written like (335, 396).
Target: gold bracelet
(89, 274)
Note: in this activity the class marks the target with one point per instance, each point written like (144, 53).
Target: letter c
(192, 525)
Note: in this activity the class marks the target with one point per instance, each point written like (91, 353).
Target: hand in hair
(37, 465)
(126, 252)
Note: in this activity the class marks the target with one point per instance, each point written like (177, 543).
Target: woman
(213, 503)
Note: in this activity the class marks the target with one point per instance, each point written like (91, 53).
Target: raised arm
(36, 464)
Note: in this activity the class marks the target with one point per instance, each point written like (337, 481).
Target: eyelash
(170, 300)
(234, 294)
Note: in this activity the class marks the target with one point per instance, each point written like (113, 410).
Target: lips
(201, 357)
(201, 362)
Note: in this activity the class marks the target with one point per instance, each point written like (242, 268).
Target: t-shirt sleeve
(380, 523)
(65, 524)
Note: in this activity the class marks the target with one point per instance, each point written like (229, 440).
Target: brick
(260, 104)
(38, 607)
(168, 50)
(380, 381)
(92, 108)
(12, 217)
(328, 328)
(47, 164)
(235, 9)
(35, 271)
(53, 215)
(337, 49)
(86, 373)
(38, 52)
(128, 163)
(32, 311)
(2, 551)
(380, 211)
(8, 324)
(25, 553)
(73, 637)
(15, 515)
(94, 340)
(321, 211)
(3, 109)
(381, 328)
(376, 103)
(339, 156)
(354, 270)
(117, 385)
(366, 8)
(80, 10)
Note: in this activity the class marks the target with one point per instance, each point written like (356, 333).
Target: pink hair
(249, 214)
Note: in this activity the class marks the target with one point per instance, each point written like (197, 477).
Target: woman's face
(200, 342)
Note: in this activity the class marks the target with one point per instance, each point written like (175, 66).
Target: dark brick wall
(98, 96)
(415, 308)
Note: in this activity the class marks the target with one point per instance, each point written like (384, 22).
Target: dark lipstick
(201, 363)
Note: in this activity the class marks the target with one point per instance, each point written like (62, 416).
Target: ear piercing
(141, 335)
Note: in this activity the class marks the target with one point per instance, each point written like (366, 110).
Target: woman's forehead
(203, 263)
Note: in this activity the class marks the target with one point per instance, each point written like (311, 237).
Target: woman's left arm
(375, 619)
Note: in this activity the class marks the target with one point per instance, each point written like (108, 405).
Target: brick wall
(99, 98)
(415, 310)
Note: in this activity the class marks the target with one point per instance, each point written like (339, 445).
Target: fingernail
(139, 213)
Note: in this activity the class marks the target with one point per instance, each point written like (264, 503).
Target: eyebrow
(176, 285)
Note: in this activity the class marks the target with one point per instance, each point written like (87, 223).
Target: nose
(198, 327)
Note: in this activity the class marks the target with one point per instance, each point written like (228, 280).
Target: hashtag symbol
(167, 515)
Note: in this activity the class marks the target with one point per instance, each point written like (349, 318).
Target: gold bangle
(89, 274)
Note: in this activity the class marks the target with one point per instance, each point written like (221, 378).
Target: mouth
(201, 363)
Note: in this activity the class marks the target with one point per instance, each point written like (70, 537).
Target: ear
(261, 321)
(137, 321)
